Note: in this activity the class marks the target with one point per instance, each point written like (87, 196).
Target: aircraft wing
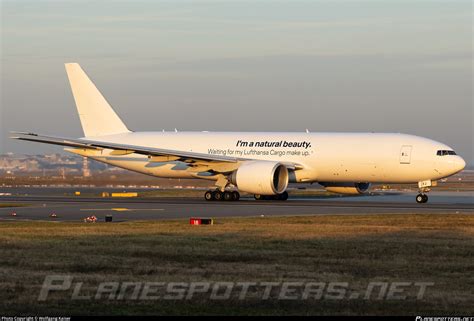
(99, 145)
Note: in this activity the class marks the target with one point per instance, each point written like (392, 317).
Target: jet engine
(347, 188)
(261, 177)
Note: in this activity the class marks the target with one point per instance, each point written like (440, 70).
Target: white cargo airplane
(259, 163)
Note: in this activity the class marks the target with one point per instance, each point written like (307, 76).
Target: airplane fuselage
(325, 157)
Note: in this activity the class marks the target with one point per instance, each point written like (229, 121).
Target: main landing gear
(279, 197)
(217, 195)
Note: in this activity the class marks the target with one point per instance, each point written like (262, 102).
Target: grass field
(354, 249)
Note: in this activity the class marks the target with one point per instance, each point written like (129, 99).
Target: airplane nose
(458, 164)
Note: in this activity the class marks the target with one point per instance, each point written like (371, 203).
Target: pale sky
(383, 66)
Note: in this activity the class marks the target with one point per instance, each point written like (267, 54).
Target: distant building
(85, 168)
(64, 164)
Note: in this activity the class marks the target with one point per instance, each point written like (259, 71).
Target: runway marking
(122, 209)
(30, 220)
(26, 207)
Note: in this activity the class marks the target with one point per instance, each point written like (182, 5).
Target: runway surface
(69, 208)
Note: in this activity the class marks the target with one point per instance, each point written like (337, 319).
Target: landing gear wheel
(278, 197)
(235, 196)
(208, 196)
(283, 196)
(228, 196)
(218, 195)
(421, 198)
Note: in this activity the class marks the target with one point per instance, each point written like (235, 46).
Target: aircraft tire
(208, 196)
(218, 195)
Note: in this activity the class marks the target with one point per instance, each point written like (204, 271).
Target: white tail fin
(96, 115)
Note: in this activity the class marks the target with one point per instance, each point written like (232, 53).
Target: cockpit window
(445, 152)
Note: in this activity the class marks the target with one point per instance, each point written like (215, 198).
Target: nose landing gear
(421, 198)
(424, 187)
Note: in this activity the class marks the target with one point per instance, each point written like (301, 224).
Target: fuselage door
(405, 154)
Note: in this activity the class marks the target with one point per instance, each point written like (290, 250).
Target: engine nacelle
(347, 188)
(261, 177)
